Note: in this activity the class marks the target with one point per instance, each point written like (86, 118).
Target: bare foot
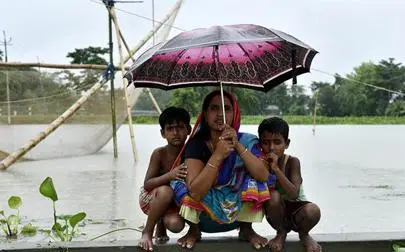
(247, 233)
(189, 240)
(160, 233)
(309, 243)
(146, 241)
(277, 243)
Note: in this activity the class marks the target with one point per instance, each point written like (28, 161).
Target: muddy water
(356, 174)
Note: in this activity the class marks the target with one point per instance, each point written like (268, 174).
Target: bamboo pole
(125, 82)
(58, 66)
(154, 101)
(110, 5)
(12, 158)
(314, 114)
(52, 127)
(174, 11)
(8, 99)
(149, 35)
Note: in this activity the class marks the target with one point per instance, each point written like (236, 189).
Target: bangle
(212, 166)
(243, 152)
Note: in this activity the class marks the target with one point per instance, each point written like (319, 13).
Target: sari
(235, 197)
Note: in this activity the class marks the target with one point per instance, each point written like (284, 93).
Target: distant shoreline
(305, 120)
(252, 120)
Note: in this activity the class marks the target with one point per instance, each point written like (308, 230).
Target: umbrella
(243, 55)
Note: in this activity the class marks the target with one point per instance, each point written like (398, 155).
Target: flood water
(356, 174)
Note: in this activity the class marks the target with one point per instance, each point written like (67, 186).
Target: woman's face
(214, 116)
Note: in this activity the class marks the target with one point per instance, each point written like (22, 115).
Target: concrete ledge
(370, 242)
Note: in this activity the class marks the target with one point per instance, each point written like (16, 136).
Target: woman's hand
(229, 134)
(224, 148)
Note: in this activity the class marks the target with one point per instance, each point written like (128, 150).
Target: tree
(396, 108)
(248, 100)
(86, 78)
(355, 95)
(187, 98)
(1, 55)
(89, 55)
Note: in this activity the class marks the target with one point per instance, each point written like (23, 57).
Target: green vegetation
(11, 224)
(359, 97)
(65, 230)
(292, 119)
(255, 120)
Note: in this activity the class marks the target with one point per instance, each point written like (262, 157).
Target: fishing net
(37, 97)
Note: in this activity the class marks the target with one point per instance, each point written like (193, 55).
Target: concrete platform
(355, 242)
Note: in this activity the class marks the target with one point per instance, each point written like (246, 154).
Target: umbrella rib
(178, 57)
(251, 60)
(284, 51)
(215, 57)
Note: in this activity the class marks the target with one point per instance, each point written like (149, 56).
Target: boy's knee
(174, 224)
(312, 212)
(164, 192)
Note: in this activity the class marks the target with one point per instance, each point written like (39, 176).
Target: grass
(304, 120)
(294, 120)
(330, 120)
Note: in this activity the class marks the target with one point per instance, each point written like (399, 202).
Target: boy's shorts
(291, 209)
(147, 197)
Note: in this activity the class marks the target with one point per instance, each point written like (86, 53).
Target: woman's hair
(204, 131)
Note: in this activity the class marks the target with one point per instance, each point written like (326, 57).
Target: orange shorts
(146, 198)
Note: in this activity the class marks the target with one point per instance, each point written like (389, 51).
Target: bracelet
(212, 166)
(243, 152)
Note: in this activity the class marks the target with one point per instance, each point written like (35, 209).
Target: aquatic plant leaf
(48, 190)
(58, 230)
(13, 220)
(399, 246)
(14, 202)
(57, 227)
(3, 221)
(76, 219)
(29, 230)
(1, 212)
(64, 217)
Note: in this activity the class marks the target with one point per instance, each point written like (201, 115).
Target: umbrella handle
(294, 66)
(216, 48)
(223, 102)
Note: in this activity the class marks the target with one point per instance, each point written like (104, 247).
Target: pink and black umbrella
(242, 55)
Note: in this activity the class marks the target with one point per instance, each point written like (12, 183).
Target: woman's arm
(255, 166)
(200, 177)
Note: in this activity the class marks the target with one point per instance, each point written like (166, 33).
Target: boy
(287, 209)
(156, 199)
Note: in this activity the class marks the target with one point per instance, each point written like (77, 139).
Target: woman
(226, 184)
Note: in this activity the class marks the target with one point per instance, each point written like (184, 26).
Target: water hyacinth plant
(65, 226)
(10, 224)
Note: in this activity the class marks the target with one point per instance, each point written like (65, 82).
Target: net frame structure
(129, 93)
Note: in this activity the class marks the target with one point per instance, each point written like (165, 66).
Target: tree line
(363, 92)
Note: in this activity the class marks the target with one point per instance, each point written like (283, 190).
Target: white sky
(345, 32)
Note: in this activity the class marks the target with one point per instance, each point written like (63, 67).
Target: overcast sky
(345, 32)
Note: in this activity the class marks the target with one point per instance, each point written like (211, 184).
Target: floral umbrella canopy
(243, 55)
